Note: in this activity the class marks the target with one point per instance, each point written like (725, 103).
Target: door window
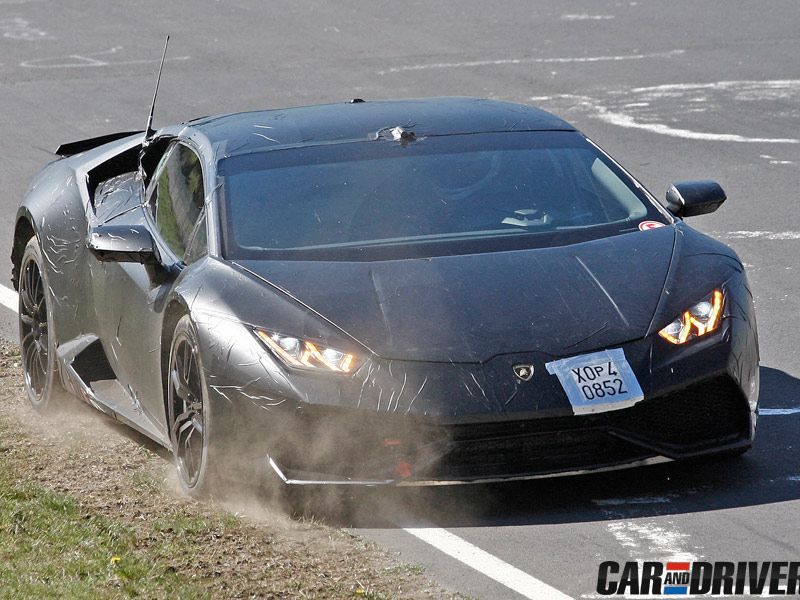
(177, 204)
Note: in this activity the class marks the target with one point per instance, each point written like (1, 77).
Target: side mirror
(692, 198)
(123, 243)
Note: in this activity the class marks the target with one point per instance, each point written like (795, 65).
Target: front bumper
(708, 417)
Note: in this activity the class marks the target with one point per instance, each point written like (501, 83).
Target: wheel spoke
(33, 282)
(32, 369)
(182, 422)
(28, 339)
(42, 356)
(29, 356)
(188, 454)
(40, 369)
(39, 292)
(185, 363)
(186, 411)
(181, 389)
(27, 301)
(197, 423)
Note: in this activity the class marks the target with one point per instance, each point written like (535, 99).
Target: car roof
(256, 131)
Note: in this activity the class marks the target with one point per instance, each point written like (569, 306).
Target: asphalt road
(674, 90)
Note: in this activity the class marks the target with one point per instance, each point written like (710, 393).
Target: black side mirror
(123, 243)
(692, 198)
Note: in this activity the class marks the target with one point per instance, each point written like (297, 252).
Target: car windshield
(436, 195)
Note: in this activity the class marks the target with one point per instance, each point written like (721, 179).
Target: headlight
(303, 354)
(702, 318)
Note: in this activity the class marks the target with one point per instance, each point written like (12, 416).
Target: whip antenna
(149, 131)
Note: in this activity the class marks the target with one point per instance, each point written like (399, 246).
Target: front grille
(534, 453)
(705, 412)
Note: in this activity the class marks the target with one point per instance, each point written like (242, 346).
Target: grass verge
(89, 510)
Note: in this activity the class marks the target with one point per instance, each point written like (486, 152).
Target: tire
(36, 333)
(189, 414)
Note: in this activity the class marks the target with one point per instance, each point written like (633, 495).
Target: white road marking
(636, 500)
(530, 60)
(749, 89)
(9, 298)
(584, 17)
(77, 61)
(488, 564)
(777, 412)
(638, 108)
(627, 121)
(651, 540)
(776, 161)
(20, 29)
(768, 235)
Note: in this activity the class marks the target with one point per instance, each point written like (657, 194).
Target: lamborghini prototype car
(404, 292)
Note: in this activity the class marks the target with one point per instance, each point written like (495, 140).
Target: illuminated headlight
(303, 354)
(702, 318)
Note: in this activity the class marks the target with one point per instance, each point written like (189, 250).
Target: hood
(469, 308)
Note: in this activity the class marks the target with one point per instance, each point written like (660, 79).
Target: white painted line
(584, 17)
(20, 29)
(9, 298)
(488, 564)
(653, 540)
(767, 235)
(638, 108)
(762, 89)
(637, 500)
(774, 412)
(530, 60)
(77, 61)
(627, 121)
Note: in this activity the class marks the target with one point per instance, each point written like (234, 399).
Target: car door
(174, 212)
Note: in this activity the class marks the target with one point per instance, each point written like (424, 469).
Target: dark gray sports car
(407, 292)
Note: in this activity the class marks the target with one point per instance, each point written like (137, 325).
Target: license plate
(597, 382)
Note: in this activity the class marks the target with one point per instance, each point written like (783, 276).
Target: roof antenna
(149, 131)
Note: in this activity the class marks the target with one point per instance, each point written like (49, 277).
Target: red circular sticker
(645, 225)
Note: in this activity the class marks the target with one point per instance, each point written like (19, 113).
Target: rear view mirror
(123, 243)
(692, 198)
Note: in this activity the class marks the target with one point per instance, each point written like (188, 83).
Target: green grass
(50, 548)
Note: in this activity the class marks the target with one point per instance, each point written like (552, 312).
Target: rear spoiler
(84, 145)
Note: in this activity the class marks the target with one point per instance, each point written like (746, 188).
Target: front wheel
(189, 412)
(37, 342)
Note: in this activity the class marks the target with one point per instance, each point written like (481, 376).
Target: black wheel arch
(173, 313)
(23, 232)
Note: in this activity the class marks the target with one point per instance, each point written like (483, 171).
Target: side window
(177, 204)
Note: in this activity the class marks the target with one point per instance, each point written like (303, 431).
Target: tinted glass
(544, 188)
(178, 202)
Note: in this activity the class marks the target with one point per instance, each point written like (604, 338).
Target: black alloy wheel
(188, 414)
(35, 330)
